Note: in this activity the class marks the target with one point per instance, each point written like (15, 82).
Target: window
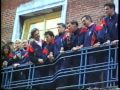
(43, 23)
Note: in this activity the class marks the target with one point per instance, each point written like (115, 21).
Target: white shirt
(39, 42)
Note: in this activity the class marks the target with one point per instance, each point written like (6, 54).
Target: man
(111, 20)
(89, 40)
(73, 27)
(75, 40)
(59, 38)
(111, 23)
(35, 48)
(51, 51)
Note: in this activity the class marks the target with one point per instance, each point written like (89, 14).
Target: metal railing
(105, 67)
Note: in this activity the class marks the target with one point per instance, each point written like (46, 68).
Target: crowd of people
(71, 37)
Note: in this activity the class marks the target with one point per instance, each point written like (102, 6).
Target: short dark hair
(33, 31)
(6, 46)
(10, 43)
(62, 24)
(74, 22)
(111, 5)
(88, 17)
(49, 33)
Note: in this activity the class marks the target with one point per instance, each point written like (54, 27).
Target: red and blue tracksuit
(20, 56)
(35, 52)
(51, 47)
(112, 26)
(89, 40)
(90, 36)
(81, 36)
(112, 33)
(59, 41)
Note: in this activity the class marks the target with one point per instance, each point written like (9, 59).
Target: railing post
(109, 64)
(32, 75)
(81, 64)
(3, 79)
(29, 75)
(11, 74)
(84, 67)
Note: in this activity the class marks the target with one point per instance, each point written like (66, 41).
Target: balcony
(87, 68)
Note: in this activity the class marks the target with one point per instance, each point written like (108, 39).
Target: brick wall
(8, 11)
(79, 8)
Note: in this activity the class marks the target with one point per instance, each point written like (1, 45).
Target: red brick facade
(79, 8)
(8, 13)
(76, 9)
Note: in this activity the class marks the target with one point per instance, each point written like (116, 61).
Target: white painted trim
(64, 12)
(32, 7)
(116, 2)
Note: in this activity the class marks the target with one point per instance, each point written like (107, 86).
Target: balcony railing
(101, 62)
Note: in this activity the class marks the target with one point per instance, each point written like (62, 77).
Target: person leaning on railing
(6, 55)
(35, 48)
(111, 20)
(90, 40)
(35, 52)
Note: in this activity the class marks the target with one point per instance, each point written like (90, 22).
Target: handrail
(78, 70)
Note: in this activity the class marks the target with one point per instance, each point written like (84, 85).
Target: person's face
(6, 50)
(48, 38)
(24, 43)
(12, 46)
(36, 35)
(61, 29)
(108, 10)
(17, 44)
(85, 22)
(71, 27)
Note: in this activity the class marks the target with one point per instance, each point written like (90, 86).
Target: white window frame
(116, 2)
(33, 6)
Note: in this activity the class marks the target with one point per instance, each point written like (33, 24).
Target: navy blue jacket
(59, 41)
(51, 47)
(36, 52)
(90, 36)
(75, 37)
(81, 36)
(112, 27)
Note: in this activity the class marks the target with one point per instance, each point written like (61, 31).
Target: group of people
(71, 37)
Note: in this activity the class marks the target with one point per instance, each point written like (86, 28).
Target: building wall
(8, 12)
(79, 8)
(76, 9)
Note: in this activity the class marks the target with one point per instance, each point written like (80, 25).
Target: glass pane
(42, 34)
(39, 26)
(52, 23)
(54, 30)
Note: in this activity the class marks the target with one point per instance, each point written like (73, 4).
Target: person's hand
(74, 49)
(115, 42)
(40, 61)
(51, 57)
(96, 44)
(15, 65)
(107, 42)
(62, 50)
(5, 63)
